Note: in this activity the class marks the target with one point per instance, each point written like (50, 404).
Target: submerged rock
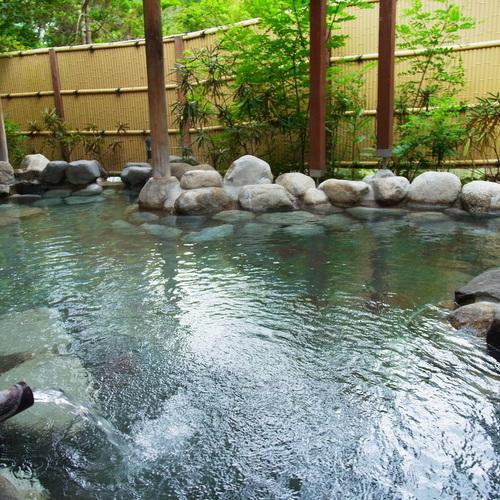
(287, 218)
(210, 234)
(38, 335)
(234, 216)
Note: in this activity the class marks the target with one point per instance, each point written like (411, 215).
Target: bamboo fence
(105, 85)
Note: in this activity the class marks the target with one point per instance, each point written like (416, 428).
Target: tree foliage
(25, 24)
(255, 85)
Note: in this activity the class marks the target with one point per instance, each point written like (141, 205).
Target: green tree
(25, 24)
(255, 83)
(430, 126)
(181, 16)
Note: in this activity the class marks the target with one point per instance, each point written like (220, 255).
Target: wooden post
(58, 101)
(385, 100)
(4, 152)
(181, 94)
(157, 98)
(317, 101)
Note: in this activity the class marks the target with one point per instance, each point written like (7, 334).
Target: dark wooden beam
(58, 100)
(385, 100)
(157, 98)
(317, 77)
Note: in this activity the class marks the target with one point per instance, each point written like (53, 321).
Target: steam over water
(279, 362)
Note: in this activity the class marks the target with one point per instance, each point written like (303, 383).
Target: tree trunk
(87, 33)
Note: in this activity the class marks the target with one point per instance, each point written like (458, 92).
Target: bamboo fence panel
(106, 84)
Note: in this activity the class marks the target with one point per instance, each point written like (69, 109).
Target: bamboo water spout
(15, 399)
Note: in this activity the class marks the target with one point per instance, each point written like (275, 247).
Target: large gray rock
(83, 172)
(34, 162)
(390, 190)
(6, 172)
(266, 197)
(159, 194)
(194, 179)
(296, 183)
(54, 172)
(245, 171)
(485, 287)
(476, 317)
(343, 193)
(179, 169)
(481, 198)
(437, 189)
(136, 175)
(203, 201)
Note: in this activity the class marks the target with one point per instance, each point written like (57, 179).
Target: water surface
(275, 362)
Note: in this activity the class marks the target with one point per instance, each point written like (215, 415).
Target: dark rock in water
(136, 175)
(485, 287)
(493, 335)
(29, 187)
(9, 361)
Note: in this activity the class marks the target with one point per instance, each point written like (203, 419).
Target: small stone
(296, 183)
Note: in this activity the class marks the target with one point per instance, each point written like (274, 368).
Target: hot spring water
(271, 361)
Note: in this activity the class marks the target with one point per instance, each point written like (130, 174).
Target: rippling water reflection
(263, 365)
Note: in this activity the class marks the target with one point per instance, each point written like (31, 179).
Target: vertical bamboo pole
(385, 91)
(317, 78)
(4, 152)
(181, 94)
(157, 98)
(58, 100)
